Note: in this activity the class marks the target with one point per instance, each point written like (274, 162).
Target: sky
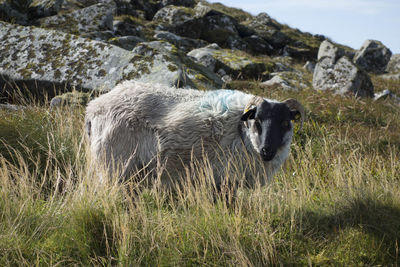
(348, 22)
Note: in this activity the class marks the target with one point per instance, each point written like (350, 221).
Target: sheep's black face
(269, 127)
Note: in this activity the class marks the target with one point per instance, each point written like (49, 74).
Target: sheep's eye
(285, 123)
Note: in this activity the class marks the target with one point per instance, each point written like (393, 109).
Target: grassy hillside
(336, 202)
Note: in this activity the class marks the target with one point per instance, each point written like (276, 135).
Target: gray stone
(127, 27)
(394, 64)
(52, 59)
(94, 18)
(215, 58)
(373, 56)
(183, 43)
(330, 50)
(99, 36)
(163, 63)
(387, 94)
(11, 107)
(48, 60)
(126, 42)
(288, 81)
(179, 20)
(341, 77)
(309, 66)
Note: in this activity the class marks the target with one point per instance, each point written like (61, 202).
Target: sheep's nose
(267, 154)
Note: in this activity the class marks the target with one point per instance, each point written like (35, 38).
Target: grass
(336, 201)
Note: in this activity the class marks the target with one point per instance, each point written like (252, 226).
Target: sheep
(136, 123)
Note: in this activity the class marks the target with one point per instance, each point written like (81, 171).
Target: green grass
(336, 201)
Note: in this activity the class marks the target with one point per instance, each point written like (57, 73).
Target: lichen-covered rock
(182, 43)
(126, 42)
(51, 59)
(373, 56)
(330, 50)
(162, 63)
(394, 64)
(179, 20)
(103, 36)
(342, 77)
(94, 18)
(217, 59)
(128, 25)
(288, 80)
(269, 30)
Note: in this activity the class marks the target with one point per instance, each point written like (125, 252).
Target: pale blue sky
(348, 22)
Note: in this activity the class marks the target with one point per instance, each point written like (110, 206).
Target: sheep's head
(268, 124)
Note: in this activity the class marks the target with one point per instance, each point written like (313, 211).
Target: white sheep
(136, 123)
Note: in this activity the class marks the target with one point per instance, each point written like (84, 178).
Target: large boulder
(94, 18)
(227, 62)
(161, 62)
(47, 60)
(330, 50)
(373, 56)
(339, 74)
(179, 20)
(52, 59)
(394, 64)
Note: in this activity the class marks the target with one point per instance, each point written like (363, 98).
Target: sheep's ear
(294, 115)
(249, 115)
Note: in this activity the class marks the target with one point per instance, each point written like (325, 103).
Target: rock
(126, 42)
(296, 52)
(335, 71)
(45, 59)
(162, 63)
(258, 45)
(394, 64)
(330, 50)
(179, 20)
(52, 59)
(289, 81)
(44, 8)
(183, 43)
(215, 58)
(13, 13)
(99, 36)
(342, 77)
(74, 98)
(387, 94)
(373, 56)
(94, 18)
(187, 3)
(309, 66)
(221, 29)
(11, 107)
(269, 31)
(128, 26)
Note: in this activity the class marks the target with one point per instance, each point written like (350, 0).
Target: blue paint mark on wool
(217, 101)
